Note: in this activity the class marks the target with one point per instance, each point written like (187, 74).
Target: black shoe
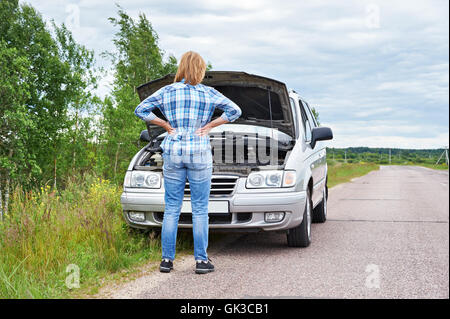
(166, 265)
(203, 267)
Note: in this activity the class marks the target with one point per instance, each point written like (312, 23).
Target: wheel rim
(325, 210)
(308, 219)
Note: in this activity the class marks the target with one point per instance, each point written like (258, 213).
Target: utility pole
(389, 156)
(445, 152)
(345, 156)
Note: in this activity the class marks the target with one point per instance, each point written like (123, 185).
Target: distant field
(386, 156)
(343, 172)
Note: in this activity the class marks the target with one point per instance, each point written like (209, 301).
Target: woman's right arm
(145, 110)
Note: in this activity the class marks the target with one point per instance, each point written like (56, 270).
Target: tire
(300, 236)
(321, 210)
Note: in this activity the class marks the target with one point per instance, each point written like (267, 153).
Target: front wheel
(300, 236)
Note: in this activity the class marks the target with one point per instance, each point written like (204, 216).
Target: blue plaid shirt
(187, 108)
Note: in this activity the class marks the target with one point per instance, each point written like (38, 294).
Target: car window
(310, 115)
(308, 129)
(306, 122)
(294, 112)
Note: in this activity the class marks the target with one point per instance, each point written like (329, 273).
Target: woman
(188, 107)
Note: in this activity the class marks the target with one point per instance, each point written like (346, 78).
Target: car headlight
(255, 180)
(144, 180)
(269, 179)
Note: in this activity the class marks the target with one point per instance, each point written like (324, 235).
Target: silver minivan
(269, 166)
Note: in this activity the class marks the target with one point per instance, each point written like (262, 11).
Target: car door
(320, 152)
(313, 158)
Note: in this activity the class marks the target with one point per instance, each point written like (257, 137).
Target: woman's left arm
(145, 110)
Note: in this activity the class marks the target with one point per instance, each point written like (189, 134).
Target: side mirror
(320, 134)
(144, 136)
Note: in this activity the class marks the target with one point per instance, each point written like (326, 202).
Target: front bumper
(253, 205)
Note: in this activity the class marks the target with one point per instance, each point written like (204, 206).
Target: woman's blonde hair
(192, 68)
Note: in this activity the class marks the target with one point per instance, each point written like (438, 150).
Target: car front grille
(220, 186)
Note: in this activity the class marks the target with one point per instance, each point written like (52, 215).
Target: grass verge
(48, 236)
(343, 172)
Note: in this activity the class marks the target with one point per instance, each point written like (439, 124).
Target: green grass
(46, 231)
(343, 172)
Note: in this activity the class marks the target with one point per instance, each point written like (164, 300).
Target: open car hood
(263, 101)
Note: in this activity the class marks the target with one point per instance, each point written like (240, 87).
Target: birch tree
(44, 76)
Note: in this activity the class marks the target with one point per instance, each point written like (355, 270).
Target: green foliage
(45, 80)
(14, 123)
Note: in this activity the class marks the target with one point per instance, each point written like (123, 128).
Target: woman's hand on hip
(170, 130)
(203, 131)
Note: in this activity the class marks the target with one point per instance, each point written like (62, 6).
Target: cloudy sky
(377, 71)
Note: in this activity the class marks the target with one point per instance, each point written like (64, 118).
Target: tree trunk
(54, 175)
(5, 210)
(115, 162)
(74, 154)
(5, 204)
(1, 201)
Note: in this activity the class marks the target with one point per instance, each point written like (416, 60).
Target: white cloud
(372, 112)
(394, 75)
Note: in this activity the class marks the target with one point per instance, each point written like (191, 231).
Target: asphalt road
(387, 236)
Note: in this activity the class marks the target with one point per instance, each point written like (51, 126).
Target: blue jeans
(197, 168)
